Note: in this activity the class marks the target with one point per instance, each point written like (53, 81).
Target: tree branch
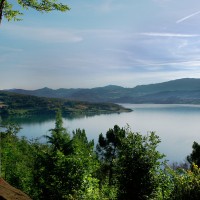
(1, 9)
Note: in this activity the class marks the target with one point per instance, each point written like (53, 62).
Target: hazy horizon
(97, 86)
(102, 43)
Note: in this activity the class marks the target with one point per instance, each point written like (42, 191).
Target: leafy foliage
(7, 10)
(17, 158)
(185, 184)
(194, 157)
(126, 166)
(67, 167)
(108, 149)
(130, 162)
(138, 166)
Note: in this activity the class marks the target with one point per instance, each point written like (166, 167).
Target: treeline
(12, 104)
(123, 166)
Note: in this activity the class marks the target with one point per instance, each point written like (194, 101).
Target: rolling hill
(186, 90)
(12, 104)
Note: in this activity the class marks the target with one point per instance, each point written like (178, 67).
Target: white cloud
(157, 34)
(51, 35)
(189, 65)
(109, 41)
(187, 17)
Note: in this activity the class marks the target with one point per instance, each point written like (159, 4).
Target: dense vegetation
(8, 11)
(25, 105)
(124, 165)
(181, 91)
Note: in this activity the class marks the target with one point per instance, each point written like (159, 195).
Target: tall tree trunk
(1, 9)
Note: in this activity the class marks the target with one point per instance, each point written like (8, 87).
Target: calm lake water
(178, 126)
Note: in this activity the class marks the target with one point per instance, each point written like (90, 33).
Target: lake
(178, 126)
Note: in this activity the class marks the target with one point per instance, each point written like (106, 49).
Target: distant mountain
(185, 84)
(186, 90)
(100, 94)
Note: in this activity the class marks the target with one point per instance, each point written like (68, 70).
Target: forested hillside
(26, 105)
(185, 91)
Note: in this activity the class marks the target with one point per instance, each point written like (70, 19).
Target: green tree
(184, 184)
(107, 150)
(194, 157)
(7, 10)
(52, 164)
(59, 138)
(138, 166)
(83, 152)
(17, 158)
(66, 169)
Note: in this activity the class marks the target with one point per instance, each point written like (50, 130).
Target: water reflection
(35, 119)
(177, 125)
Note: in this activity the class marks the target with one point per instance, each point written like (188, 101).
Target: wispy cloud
(177, 64)
(187, 17)
(9, 49)
(52, 35)
(7, 54)
(44, 34)
(156, 34)
(106, 6)
(161, 1)
(95, 45)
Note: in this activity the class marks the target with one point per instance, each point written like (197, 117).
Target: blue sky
(97, 43)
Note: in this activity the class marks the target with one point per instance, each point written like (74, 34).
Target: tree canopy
(126, 165)
(7, 9)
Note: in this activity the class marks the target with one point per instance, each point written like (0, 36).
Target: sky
(99, 43)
